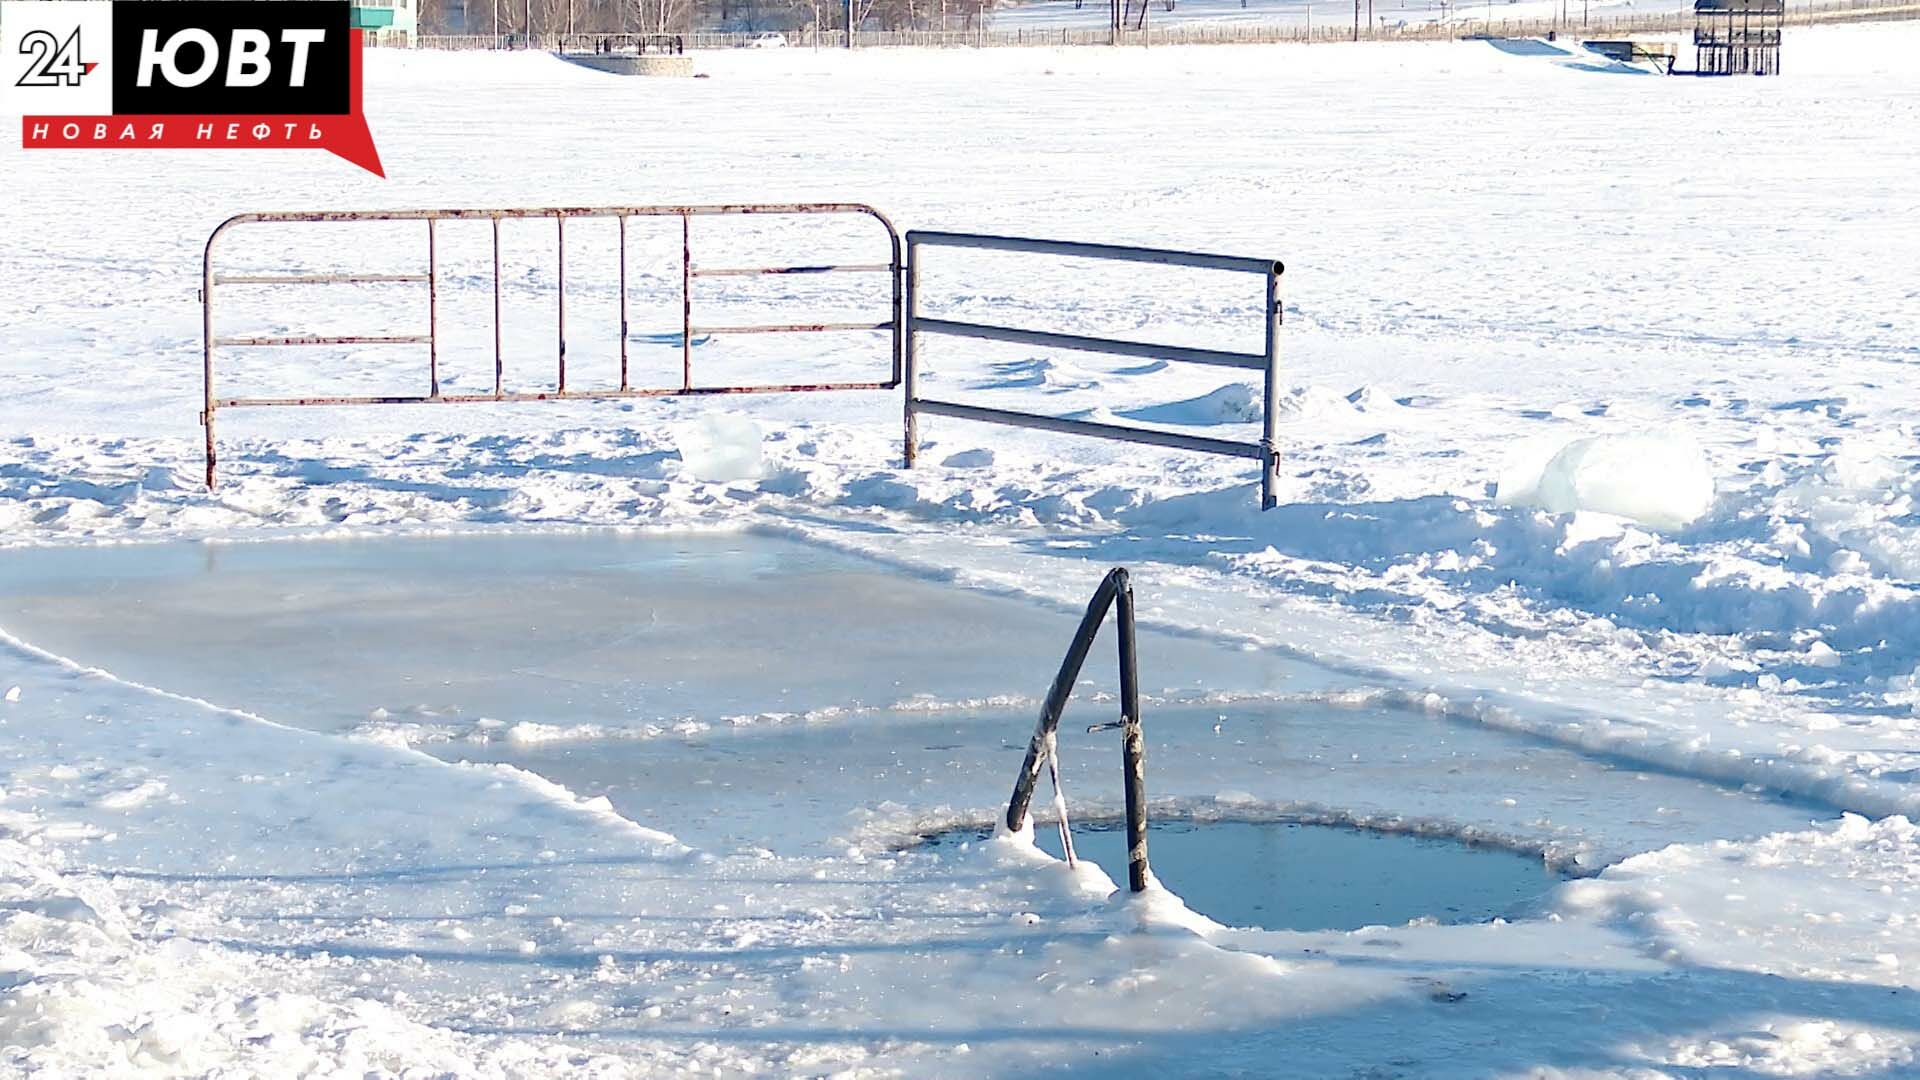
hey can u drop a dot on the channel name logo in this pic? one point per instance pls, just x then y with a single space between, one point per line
185 74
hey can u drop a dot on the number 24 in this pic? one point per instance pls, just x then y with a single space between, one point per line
54 63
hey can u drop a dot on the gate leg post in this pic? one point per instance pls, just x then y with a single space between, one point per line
560 248
433 314
910 436
1269 435
206 346
499 366
686 303
623 304
206 418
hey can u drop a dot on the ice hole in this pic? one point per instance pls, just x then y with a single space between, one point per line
1297 875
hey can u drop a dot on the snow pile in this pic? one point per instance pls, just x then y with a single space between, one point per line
1660 480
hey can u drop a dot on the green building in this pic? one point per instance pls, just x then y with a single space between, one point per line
387 22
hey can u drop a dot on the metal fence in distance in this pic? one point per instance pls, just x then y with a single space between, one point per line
1807 13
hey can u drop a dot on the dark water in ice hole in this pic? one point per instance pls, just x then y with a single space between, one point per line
1288 875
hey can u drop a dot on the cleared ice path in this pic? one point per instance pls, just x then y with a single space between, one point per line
745 691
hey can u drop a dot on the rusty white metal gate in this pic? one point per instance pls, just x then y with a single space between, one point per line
212 280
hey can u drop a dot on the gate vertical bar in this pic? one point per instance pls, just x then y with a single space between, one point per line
1269 434
623 304
899 311
1132 745
433 314
910 376
206 329
498 366
560 235
686 302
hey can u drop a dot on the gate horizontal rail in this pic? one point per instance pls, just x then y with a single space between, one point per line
1266 361
210 280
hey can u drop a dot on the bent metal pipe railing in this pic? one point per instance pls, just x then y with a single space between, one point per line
894 267
1267 361
1114 589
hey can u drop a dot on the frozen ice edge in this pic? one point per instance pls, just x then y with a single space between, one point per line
663 843
905 830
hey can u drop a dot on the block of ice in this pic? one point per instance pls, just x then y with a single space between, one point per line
721 447
1660 480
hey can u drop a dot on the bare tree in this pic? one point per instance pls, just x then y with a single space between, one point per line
817 15
656 16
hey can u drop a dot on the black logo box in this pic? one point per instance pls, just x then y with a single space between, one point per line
326 90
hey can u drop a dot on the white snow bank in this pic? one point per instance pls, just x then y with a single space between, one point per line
1660 480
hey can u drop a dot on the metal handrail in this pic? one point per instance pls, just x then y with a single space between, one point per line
1114 588
1266 361
895 321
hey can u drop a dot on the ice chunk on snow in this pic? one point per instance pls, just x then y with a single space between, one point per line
1234 403
978 458
1659 480
721 448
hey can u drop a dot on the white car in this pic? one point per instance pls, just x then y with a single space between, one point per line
768 41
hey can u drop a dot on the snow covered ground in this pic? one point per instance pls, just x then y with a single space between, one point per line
1522 290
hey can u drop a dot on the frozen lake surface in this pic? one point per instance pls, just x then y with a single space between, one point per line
751 692
600 632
